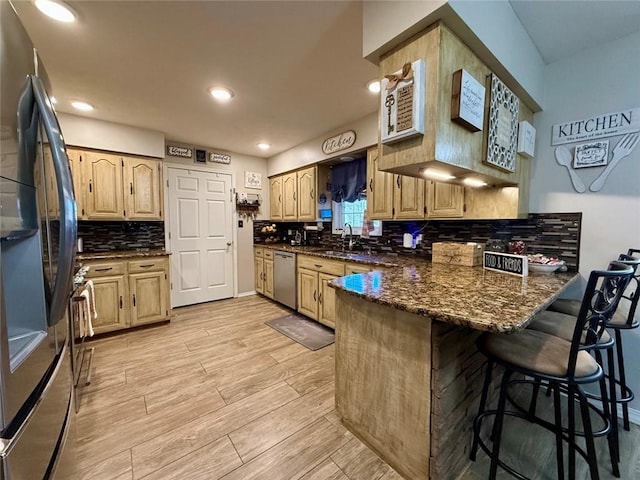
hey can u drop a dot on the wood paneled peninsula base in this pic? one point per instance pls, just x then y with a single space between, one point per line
408 375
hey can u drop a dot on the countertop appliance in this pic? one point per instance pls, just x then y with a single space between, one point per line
38 232
284 278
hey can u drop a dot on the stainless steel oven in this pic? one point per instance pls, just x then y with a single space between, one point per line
37 253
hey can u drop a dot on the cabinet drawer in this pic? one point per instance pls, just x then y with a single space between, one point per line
353 268
103 269
334 267
147 264
268 253
258 251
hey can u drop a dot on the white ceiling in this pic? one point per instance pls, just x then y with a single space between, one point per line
296 67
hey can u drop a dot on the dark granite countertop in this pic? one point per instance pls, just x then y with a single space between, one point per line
120 254
383 260
466 296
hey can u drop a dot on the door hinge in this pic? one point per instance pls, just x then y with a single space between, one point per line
464 207
425 209
169 235
393 211
122 161
171 285
124 213
167 183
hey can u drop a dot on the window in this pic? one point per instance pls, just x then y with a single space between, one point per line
353 214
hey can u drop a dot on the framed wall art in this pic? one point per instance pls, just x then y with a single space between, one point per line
253 180
592 154
402 102
467 101
502 135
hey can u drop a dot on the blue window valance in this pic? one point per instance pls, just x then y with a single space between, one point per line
349 180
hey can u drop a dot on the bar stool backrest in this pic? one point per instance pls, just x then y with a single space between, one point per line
601 298
633 290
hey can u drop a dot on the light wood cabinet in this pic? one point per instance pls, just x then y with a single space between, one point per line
315 298
263 271
408 198
103 177
444 200
129 293
379 189
275 198
293 196
290 196
326 300
308 292
142 189
354 268
116 187
307 194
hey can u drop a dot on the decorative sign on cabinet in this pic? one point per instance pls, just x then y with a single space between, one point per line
503 126
467 101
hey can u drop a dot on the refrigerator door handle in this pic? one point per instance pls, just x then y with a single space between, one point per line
66 200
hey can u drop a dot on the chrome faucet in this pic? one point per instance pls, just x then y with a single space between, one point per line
344 234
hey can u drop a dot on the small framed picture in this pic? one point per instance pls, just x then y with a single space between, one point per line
253 180
201 156
592 154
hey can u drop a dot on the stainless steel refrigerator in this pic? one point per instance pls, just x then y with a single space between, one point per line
37 255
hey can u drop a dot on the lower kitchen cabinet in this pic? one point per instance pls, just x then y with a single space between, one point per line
326 300
263 268
315 298
308 293
129 293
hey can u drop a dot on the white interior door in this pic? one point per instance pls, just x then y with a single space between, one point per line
201 236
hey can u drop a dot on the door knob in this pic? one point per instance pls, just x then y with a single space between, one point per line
229 244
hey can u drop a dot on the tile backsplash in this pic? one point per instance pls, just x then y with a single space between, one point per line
552 234
109 236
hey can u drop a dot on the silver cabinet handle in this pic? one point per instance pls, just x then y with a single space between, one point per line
66 199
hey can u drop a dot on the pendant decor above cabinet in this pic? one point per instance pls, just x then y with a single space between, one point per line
402 97
503 126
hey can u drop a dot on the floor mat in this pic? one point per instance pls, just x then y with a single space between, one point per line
306 332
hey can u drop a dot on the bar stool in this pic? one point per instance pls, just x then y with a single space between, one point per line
563 365
621 321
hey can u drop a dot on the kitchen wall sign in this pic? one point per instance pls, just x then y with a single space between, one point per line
599 126
201 156
220 158
592 154
402 96
177 151
339 142
507 263
526 139
253 180
503 126
467 101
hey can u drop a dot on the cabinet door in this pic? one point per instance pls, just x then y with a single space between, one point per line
380 189
259 272
444 200
111 305
148 297
103 173
307 194
141 189
308 293
75 164
326 301
275 195
290 196
408 198
268 277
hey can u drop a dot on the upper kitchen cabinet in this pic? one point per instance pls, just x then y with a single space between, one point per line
275 196
444 200
446 144
142 189
307 194
115 187
294 195
379 189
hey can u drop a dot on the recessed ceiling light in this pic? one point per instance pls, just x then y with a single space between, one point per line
222 94
437 174
83 106
53 100
264 146
56 10
474 182
374 86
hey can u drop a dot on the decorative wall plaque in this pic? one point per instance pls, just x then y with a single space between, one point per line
507 263
253 180
201 156
402 103
599 126
526 139
503 126
592 154
220 158
177 151
467 101
339 142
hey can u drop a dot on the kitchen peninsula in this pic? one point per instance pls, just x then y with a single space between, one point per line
408 375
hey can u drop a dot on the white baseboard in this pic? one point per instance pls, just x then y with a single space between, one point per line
247 294
634 415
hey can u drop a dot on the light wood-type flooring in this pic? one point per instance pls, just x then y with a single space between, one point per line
216 394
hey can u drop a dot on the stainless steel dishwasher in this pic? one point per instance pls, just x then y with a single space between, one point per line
284 278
